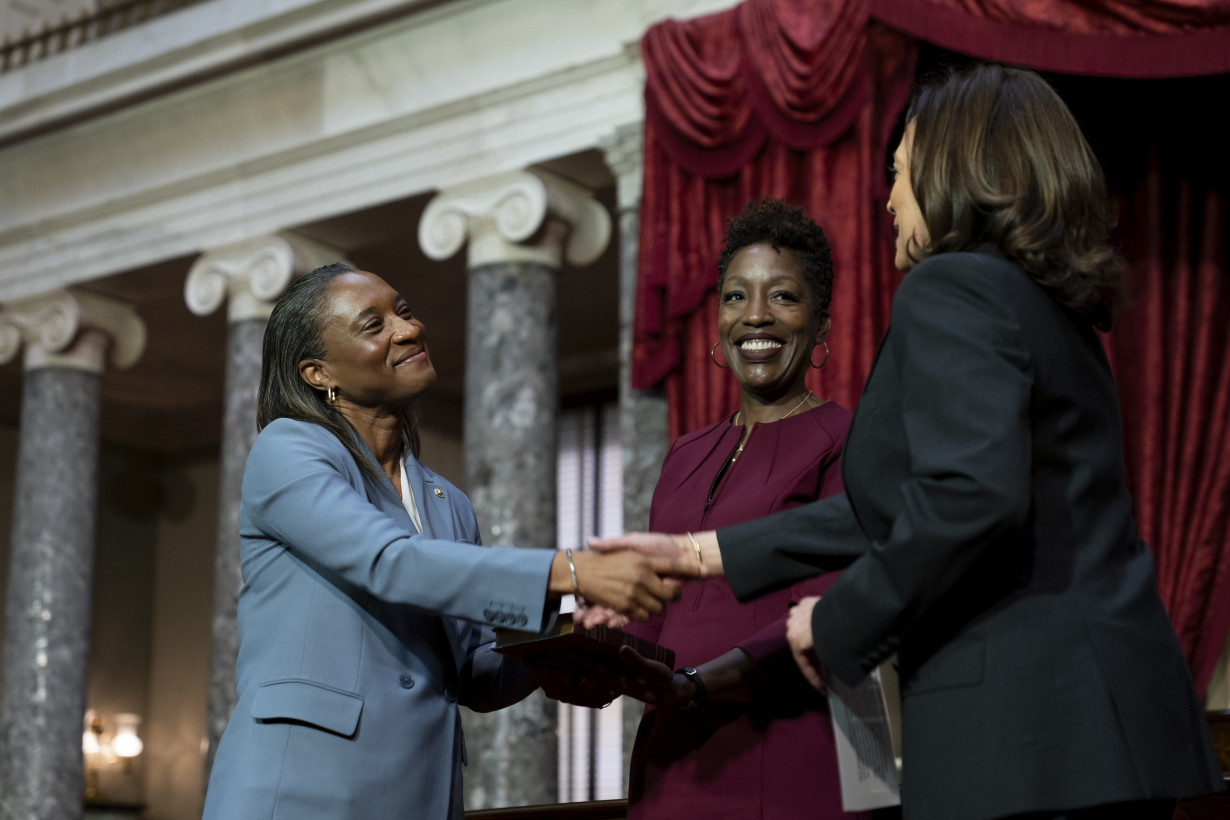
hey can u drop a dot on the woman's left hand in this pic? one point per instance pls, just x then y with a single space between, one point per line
802 646
588 616
651 681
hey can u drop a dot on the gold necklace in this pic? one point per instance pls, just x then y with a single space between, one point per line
789 413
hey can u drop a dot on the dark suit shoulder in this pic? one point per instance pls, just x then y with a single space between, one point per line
985 269
967 269
948 289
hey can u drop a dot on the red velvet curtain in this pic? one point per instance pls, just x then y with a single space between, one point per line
1169 351
796 98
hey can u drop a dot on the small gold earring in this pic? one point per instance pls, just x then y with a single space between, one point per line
331 394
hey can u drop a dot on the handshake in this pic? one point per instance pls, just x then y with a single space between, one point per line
633 576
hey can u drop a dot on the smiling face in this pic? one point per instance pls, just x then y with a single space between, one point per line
912 234
768 322
376 351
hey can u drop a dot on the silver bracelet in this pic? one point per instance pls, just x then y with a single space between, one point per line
572 570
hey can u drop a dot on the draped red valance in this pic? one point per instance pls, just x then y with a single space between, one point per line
721 85
797 99
1108 38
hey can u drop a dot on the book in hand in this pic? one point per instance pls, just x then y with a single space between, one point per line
600 643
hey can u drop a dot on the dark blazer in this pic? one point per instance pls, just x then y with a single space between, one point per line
353 651
999 559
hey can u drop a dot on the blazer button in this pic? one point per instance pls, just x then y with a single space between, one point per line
489 614
406 681
522 620
450 693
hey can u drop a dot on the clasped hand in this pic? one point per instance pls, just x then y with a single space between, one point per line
632 577
580 680
630 583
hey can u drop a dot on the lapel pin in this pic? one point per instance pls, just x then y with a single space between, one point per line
439 492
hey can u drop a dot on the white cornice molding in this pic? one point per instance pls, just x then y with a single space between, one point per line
503 214
251 274
389 113
499 131
171 51
73 329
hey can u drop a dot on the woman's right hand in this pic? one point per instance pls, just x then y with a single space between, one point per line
627 582
696 555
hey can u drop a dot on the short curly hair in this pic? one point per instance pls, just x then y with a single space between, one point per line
783 225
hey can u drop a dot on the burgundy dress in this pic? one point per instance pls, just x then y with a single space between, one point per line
766 753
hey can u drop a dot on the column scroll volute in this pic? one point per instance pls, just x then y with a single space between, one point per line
501 215
251 274
52 327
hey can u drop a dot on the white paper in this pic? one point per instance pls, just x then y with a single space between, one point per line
865 759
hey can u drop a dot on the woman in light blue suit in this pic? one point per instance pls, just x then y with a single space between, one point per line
363 613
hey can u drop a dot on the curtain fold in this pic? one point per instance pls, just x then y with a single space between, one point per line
1109 38
1169 351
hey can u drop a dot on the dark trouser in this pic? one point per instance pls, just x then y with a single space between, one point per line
1132 810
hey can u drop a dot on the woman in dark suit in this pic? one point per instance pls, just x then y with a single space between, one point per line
984 491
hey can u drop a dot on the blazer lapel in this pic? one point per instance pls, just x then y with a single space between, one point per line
431 500
437 517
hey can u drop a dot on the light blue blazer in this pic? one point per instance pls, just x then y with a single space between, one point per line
356 641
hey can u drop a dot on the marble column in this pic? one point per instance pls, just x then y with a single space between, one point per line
642 413
68 338
520 226
249 276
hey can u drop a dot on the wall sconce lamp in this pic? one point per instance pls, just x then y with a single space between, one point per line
126 744
103 748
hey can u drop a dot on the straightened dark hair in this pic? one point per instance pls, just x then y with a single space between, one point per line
998 158
296 333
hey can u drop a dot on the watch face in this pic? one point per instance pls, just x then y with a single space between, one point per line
699 693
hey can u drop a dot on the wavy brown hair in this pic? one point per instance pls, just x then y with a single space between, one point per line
296 332
997 158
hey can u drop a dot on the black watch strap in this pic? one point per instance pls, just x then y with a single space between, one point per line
699 695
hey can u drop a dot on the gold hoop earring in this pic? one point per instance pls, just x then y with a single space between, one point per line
826 358
331 394
712 350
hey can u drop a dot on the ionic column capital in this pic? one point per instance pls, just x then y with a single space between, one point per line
71 328
624 150
517 217
251 274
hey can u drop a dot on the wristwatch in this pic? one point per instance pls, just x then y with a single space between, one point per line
699 695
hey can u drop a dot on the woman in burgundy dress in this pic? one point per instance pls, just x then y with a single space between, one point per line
737 732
